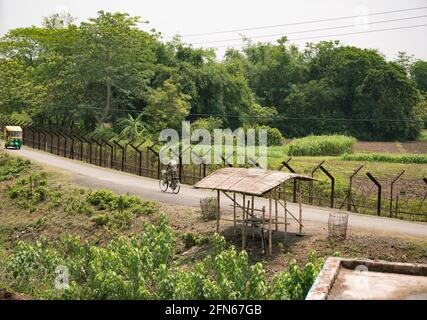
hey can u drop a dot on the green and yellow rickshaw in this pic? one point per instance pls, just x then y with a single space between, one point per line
13 137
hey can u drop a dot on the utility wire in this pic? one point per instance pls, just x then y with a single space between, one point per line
312 30
329 35
311 118
300 23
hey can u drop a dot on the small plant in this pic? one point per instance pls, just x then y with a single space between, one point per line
101 199
144 208
296 282
11 167
78 204
118 220
208 208
193 239
30 189
121 220
101 219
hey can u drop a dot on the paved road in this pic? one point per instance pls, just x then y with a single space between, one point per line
96 177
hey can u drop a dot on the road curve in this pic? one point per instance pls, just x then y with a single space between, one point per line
96 177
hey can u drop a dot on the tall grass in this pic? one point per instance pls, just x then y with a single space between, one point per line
333 145
387 157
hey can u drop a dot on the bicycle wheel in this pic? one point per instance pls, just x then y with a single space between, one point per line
177 188
163 184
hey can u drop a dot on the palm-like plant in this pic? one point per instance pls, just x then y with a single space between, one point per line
133 128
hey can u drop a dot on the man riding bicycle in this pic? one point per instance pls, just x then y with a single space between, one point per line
170 177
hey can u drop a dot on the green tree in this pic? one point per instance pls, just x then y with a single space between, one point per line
419 74
166 108
114 60
384 96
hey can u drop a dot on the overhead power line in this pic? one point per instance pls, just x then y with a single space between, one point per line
300 23
331 35
310 118
312 30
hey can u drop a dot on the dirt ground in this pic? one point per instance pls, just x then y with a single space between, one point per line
392 147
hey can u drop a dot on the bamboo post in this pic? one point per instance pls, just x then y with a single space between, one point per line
252 216
286 214
246 222
234 211
270 242
243 223
300 207
262 229
218 206
275 209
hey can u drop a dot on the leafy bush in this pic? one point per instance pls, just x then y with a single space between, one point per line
117 220
144 207
210 124
33 188
384 157
78 204
333 145
11 167
106 199
101 199
274 136
142 268
208 207
101 219
192 239
296 282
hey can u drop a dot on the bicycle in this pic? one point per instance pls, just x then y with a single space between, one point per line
169 180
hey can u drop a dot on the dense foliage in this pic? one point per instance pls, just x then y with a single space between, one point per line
96 73
11 167
333 145
142 267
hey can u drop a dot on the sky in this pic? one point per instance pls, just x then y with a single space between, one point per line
189 17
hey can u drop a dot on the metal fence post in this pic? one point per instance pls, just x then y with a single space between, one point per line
370 176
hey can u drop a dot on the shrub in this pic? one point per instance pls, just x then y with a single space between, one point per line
11 167
384 157
101 199
32 188
78 205
117 220
274 136
210 124
192 239
120 220
142 268
333 145
208 208
295 283
40 194
101 219
144 208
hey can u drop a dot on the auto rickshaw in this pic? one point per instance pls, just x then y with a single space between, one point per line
13 137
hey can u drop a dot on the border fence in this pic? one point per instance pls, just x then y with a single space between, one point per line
364 192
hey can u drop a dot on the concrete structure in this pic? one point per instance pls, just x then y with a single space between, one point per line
348 279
